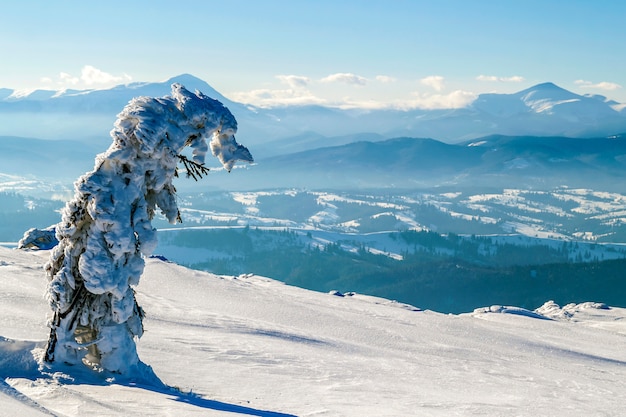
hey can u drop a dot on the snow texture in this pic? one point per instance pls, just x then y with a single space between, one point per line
106 229
252 346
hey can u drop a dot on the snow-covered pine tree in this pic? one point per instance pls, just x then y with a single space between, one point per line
106 229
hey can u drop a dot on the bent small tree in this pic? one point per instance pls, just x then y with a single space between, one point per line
106 229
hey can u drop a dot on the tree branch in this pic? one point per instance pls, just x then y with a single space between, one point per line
193 169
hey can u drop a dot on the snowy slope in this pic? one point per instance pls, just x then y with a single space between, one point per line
252 346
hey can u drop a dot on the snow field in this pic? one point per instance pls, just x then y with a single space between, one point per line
249 345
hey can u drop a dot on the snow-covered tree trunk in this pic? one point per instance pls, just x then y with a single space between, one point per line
106 229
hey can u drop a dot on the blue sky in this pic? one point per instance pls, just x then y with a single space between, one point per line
336 52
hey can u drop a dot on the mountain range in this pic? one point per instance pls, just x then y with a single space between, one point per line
543 136
542 110
527 162
502 161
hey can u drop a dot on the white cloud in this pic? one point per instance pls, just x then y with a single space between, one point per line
454 100
68 79
345 77
435 82
603 85
385 79
294 81
266 97
513 79
296 94
301 90
91 75
269 98
493 78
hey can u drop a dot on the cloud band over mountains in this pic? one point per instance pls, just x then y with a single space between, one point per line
90 76
340 89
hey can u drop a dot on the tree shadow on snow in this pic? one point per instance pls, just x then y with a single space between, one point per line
21 360
232 408
151 382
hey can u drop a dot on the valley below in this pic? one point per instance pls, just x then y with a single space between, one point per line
441 249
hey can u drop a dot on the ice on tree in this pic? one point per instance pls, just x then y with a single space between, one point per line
38 239
106 229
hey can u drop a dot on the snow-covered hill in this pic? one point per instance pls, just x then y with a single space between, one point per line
252 346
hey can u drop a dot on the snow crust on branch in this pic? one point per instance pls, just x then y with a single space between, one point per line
106 229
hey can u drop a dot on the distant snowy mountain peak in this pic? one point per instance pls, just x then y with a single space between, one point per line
541 110
537 99
549 89
185 79
544 97
547 108
131 90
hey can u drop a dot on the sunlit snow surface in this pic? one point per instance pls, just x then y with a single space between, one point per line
251 346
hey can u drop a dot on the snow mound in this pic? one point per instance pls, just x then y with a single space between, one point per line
38 239
509 310
16 358
590 314
553 310
375 300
